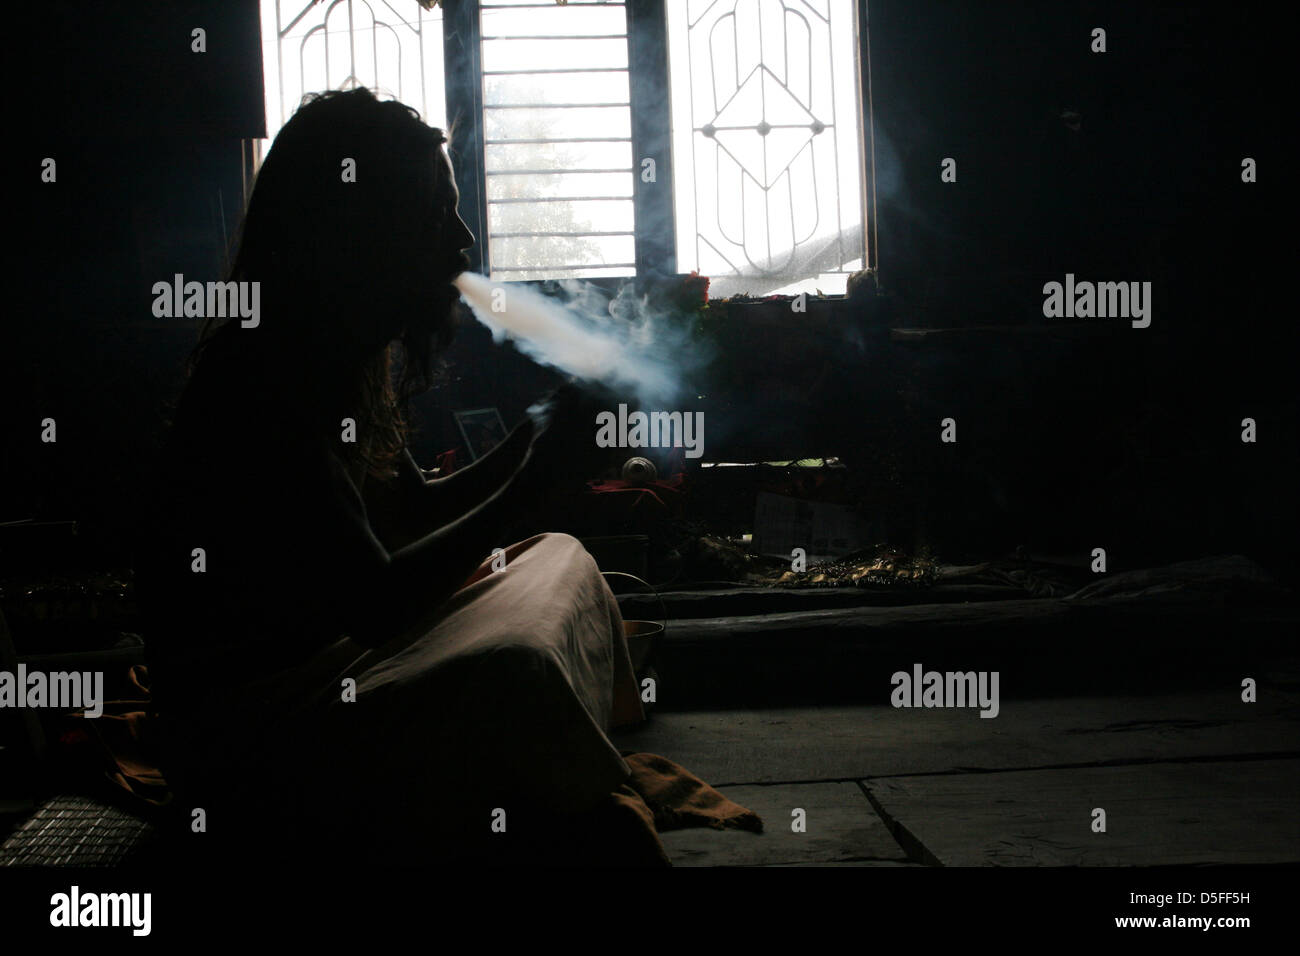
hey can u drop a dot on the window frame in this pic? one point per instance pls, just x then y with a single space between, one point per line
654 222
654 209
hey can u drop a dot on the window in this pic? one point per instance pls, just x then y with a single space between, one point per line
394 47
749 111
557 138
766 142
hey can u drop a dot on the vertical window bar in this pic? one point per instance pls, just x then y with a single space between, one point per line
464 63
867 139
656 245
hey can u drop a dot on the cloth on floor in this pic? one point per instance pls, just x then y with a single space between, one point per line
660 796
670 797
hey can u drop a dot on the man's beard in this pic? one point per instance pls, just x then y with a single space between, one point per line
438 316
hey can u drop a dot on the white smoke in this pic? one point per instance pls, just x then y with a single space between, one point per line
620 342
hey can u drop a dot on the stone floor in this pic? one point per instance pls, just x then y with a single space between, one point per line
1185 779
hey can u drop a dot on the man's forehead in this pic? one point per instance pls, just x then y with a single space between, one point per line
449 179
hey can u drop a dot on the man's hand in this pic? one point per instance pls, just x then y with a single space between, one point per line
563 454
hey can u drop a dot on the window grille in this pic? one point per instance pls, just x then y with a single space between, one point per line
767 124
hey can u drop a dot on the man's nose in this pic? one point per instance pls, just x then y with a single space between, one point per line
465 239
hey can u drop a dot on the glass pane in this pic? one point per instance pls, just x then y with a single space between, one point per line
592 21
578 216
570 185
560 156
571 123
587 272
547 3
542 252
514 55
611 87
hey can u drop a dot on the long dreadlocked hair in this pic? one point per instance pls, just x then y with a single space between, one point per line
344 268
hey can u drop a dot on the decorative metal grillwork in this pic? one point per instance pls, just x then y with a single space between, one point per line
768 168
767 158
343 44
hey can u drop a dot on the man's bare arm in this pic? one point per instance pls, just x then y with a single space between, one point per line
440 500
397 587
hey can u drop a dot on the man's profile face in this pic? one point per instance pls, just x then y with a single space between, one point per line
449 239
453 236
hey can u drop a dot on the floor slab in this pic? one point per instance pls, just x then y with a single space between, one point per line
844 743
841 826
1156 814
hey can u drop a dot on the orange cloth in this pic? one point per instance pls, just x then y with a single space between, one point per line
674 798
120 735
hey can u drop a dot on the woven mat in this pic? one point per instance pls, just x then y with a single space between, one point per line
77 831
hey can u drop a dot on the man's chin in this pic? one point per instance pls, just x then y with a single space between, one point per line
446 296
441 311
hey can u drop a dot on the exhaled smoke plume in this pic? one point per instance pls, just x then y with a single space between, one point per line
622 343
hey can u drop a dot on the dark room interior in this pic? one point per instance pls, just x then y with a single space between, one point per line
978 312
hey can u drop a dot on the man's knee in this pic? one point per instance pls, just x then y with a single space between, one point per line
554 544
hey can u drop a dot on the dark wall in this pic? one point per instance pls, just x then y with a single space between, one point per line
1132 437
1124 436
1164 118
146 135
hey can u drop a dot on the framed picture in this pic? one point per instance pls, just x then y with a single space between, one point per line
482 429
